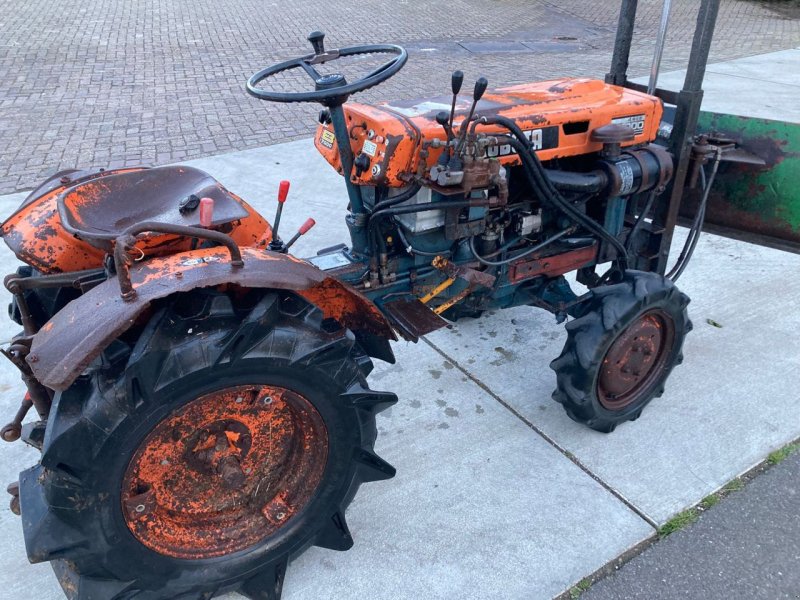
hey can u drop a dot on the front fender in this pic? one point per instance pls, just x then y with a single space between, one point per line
77 334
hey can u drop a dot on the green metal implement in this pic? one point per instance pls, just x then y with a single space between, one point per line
756 202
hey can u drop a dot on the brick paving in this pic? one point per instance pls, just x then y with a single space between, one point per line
120 83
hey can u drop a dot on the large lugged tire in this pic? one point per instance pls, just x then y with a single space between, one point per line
619 353
227 440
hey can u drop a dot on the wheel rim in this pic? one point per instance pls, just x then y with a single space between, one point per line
636 360
225 472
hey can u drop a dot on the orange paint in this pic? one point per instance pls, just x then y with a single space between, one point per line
225 471
36 236
400 130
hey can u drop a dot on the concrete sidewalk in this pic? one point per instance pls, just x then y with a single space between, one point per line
498 493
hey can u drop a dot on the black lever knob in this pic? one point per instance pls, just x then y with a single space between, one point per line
317 39
443 117
456 80
480 88
361 163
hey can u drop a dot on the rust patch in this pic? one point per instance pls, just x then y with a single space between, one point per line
552 266
225 472
635 360
352 310
81 330
37 236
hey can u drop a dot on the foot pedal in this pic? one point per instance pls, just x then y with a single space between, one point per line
413 319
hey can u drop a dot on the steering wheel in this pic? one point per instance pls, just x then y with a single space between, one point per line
333 89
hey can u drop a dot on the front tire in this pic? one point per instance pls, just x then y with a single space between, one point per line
229 439
619 353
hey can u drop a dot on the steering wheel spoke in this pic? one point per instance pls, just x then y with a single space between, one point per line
312 72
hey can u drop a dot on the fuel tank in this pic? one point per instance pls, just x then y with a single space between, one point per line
558 116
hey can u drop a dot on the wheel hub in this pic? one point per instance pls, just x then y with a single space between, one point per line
636 360
225 471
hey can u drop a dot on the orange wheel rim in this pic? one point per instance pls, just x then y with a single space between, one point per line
225 471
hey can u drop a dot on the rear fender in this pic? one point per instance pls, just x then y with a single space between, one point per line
76 335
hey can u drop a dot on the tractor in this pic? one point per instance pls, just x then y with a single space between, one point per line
203 411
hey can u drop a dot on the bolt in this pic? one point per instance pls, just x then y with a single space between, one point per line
280 516
140 508
165 462
267 399
33 358
239 400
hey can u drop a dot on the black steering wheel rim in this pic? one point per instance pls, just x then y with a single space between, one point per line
338 89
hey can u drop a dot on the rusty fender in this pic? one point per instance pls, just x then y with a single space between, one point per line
77 334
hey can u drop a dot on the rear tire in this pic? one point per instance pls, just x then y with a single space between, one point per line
80 505
620 352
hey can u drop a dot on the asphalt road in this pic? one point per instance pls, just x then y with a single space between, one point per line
746 547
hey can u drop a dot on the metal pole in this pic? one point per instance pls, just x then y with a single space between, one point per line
684 127
659 52
622 45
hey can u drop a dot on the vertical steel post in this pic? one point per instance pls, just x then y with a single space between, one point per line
357 218
622 45
659 51
684 128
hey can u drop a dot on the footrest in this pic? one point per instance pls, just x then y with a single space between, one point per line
413 319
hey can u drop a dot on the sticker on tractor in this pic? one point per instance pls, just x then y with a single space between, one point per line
636 122
327 138
192 262
540 139
369 148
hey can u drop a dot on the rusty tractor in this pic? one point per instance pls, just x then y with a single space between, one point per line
203 412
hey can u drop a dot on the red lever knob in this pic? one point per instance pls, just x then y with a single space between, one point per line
283 191
206 211
306 226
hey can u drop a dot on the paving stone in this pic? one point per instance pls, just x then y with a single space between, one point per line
99 75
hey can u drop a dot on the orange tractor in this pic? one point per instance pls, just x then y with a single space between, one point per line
203 408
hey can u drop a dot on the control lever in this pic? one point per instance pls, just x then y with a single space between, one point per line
304 229
477 94
276 245
456 80
444 119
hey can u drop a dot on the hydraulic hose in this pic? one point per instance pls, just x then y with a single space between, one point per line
542 184
638 224
697 225
409 248
545 189
531 250
400 198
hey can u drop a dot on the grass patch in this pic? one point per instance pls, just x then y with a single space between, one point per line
732 486
690 515
782 453
580 587
679 521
